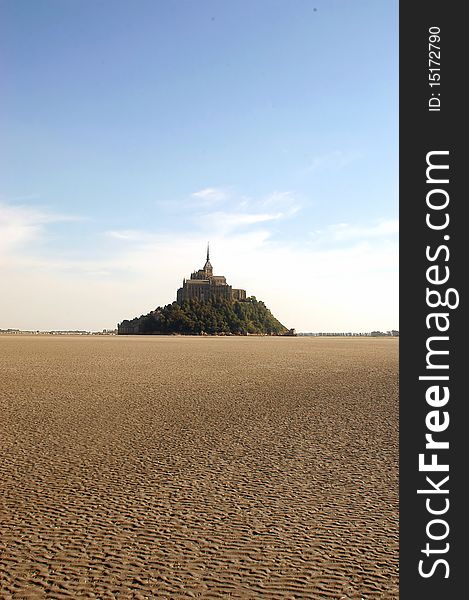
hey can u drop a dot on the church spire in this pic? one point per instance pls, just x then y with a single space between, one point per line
208 269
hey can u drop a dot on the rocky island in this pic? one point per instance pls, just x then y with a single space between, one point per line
207 305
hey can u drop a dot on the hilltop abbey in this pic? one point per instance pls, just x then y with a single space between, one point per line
195 313
204 285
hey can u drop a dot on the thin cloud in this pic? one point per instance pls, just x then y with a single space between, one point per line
227 221
245 211
129 235
24 224
224 208
344 232
286 202
211 194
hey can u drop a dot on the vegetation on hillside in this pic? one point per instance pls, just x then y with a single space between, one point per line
216 316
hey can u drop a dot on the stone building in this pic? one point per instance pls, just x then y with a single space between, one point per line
203 285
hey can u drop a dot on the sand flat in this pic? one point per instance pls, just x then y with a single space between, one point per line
180 467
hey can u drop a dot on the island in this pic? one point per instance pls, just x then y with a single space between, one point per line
207 305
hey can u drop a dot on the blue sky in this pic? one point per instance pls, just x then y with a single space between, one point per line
133 132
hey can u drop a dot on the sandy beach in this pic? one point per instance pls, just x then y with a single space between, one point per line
190 467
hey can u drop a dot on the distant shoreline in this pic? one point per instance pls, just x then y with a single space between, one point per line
17 332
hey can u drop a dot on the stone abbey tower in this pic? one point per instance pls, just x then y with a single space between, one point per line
203 285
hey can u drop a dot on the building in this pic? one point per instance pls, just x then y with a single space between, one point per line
204 285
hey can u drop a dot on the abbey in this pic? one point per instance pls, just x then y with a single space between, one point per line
204 285
207 305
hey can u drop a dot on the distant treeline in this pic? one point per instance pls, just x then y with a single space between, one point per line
213 317
392 333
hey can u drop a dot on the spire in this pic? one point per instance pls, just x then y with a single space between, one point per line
208 269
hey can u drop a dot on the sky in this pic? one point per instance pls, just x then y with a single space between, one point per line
134 132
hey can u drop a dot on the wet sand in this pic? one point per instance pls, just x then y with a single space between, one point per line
169 467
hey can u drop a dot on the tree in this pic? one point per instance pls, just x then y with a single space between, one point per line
215 316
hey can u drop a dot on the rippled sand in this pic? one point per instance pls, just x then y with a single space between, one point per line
168 467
